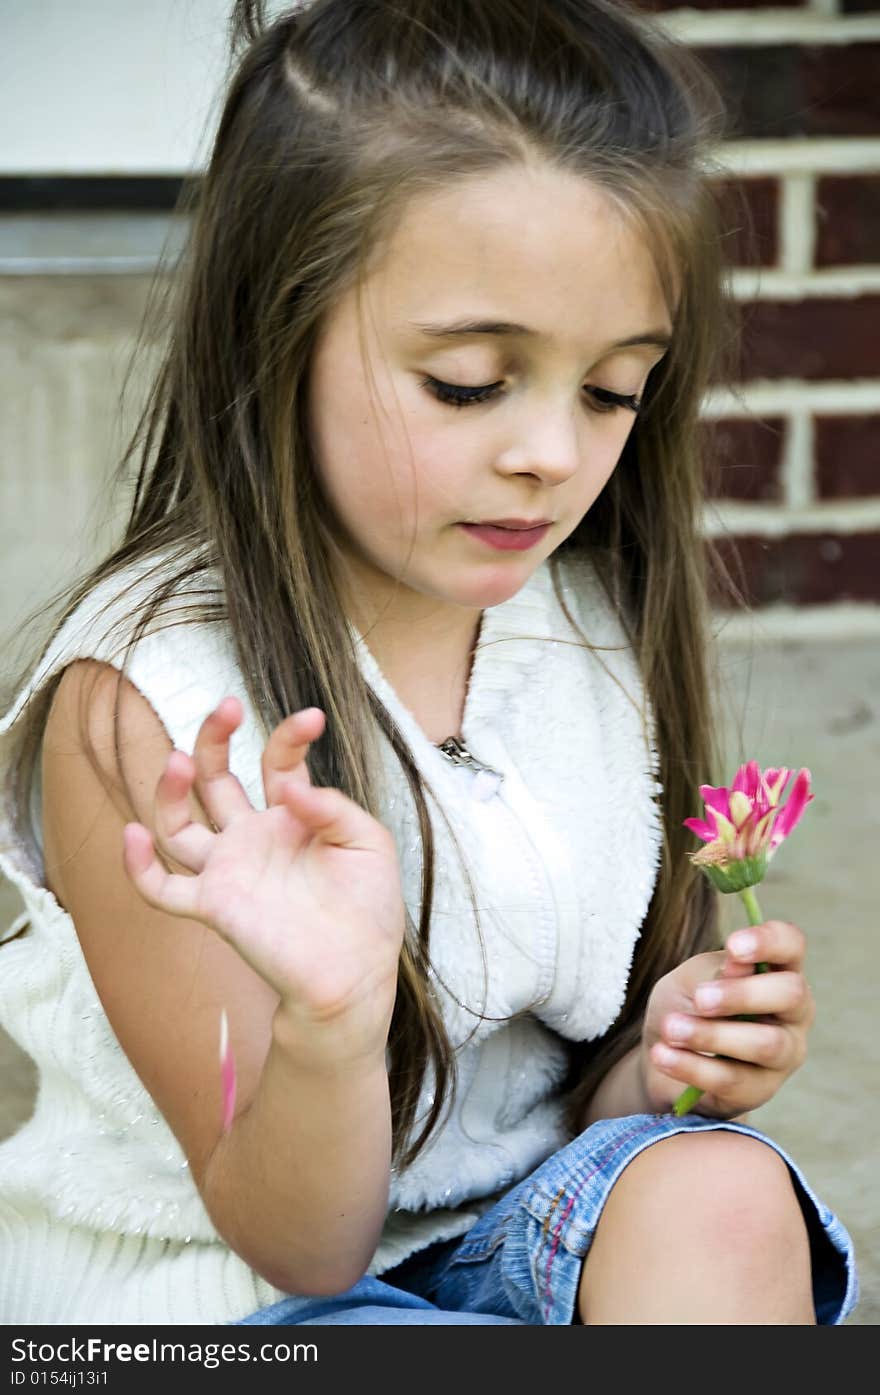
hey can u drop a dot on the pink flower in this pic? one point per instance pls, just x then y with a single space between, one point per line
745 824
743 827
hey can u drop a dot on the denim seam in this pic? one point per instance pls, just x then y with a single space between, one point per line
597 1167
485 1248
471 1251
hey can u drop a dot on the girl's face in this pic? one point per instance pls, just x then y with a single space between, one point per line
567 319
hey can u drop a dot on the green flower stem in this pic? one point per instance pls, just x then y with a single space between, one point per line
750 901
688 1098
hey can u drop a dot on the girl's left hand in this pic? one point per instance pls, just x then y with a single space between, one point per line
689 1040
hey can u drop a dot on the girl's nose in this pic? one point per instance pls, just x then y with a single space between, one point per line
548 446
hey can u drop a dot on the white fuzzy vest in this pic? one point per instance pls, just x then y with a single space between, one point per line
100 1220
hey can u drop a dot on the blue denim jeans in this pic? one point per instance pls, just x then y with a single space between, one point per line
521 1261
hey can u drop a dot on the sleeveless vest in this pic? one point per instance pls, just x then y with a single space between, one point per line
100 1220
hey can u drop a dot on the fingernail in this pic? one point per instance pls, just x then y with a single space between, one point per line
743 943
708 996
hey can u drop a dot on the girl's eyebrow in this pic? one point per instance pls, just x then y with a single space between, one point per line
455 329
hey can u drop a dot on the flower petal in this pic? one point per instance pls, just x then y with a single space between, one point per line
790 815
726 833
741 808
775 781
748 779
716 797
758 839
706 831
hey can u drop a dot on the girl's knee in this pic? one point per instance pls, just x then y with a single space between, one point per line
704 1226
720 1186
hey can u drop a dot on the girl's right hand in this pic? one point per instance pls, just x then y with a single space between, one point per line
307 891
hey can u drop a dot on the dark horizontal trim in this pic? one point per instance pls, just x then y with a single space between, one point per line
40 193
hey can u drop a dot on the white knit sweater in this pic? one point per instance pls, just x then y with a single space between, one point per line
100 1220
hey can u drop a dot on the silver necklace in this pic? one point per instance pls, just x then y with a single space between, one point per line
485 781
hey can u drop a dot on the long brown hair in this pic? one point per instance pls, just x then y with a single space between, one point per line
335 116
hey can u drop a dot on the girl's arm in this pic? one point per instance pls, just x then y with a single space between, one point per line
621 1091
299 1185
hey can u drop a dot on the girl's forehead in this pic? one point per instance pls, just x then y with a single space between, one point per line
510 207
534 247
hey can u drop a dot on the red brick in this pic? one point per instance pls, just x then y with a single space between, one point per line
848 219
799 89
801 569
847 456
744 458
750 219
824 337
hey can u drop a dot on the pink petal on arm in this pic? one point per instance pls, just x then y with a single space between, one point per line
227 1073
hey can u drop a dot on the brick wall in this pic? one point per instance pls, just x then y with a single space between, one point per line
797 440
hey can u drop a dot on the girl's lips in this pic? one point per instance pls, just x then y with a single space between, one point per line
506 539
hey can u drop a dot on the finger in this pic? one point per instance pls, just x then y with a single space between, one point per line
767 1044
332 817
218 790
728 1080
284 757
177 832
776 942
781 994
166 891
730 968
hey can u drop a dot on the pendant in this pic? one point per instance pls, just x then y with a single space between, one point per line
485 781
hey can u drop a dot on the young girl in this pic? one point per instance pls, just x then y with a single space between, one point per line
377 732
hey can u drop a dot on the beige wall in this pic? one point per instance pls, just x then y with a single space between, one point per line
64 346
118 87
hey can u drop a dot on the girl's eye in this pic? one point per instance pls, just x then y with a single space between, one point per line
459 396
602 399
605 401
